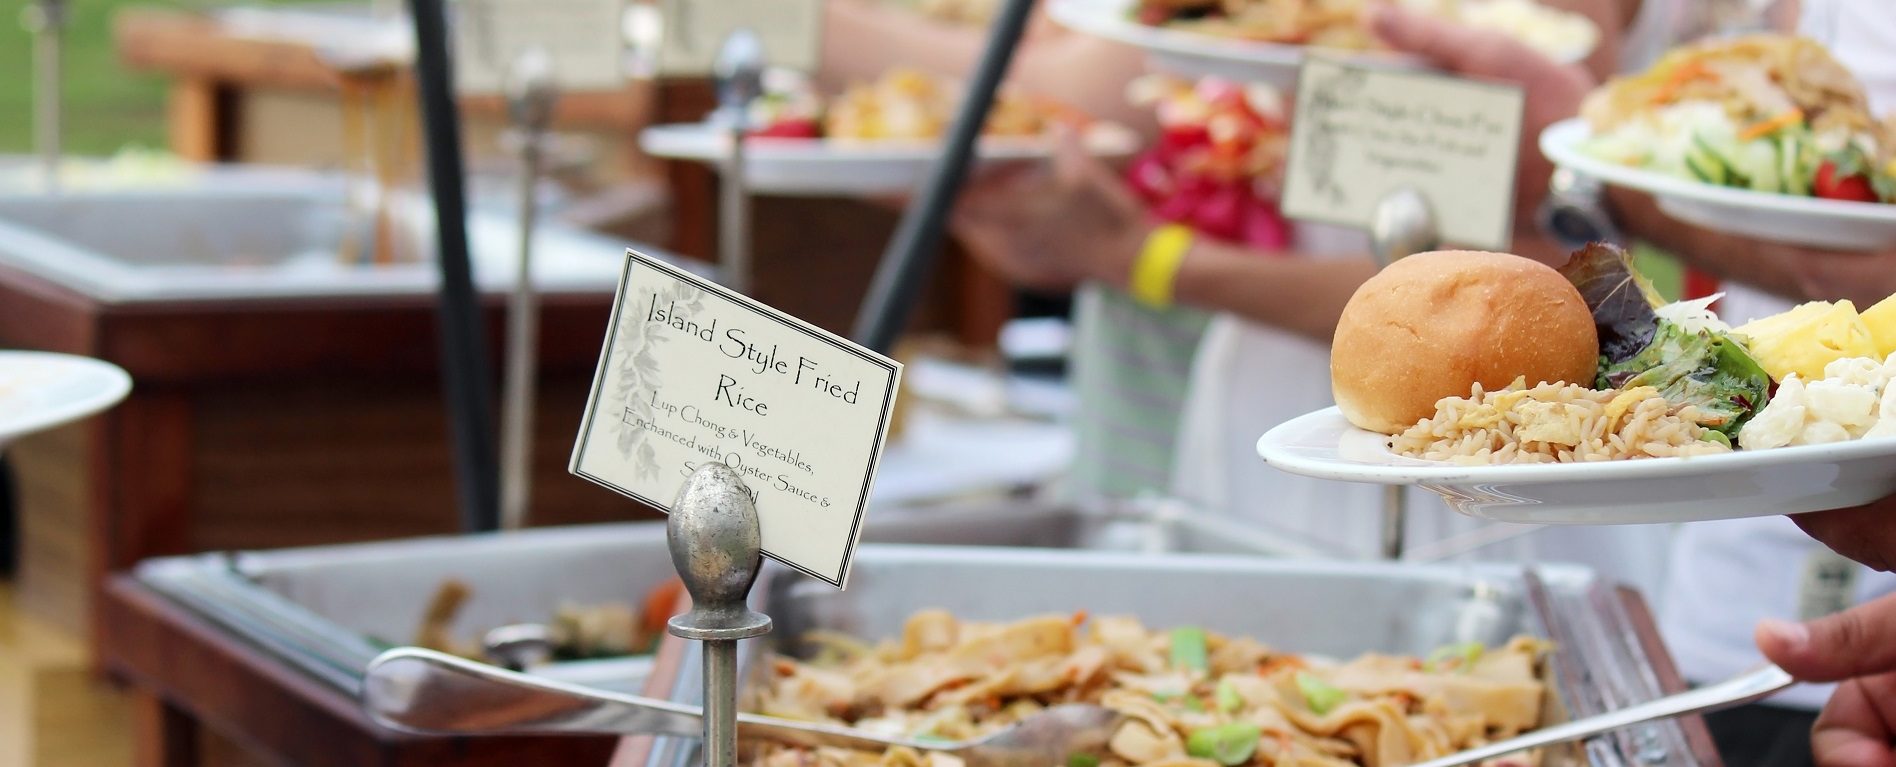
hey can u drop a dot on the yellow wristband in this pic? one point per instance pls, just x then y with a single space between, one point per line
1156 269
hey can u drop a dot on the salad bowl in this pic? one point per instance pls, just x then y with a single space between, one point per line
1793 219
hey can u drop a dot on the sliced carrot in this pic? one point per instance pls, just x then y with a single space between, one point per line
1780 121
1677 78
1079 617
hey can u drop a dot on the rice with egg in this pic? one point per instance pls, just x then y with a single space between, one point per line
1557 423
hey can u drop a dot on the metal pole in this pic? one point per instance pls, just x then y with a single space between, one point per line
530 98
905 265
715 545
740 74
46 20
464 371
1403 224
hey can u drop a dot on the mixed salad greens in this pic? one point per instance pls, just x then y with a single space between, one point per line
1689 363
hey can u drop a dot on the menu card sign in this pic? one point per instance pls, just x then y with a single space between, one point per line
585 40
692 372
790 31
1362 132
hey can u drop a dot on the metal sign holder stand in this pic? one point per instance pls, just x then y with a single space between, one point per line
531 94
1403 224
46 21
715 544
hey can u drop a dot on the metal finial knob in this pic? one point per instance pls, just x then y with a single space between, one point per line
740 74
530 89
1403 224
715 545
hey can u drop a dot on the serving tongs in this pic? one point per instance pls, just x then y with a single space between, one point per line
429 692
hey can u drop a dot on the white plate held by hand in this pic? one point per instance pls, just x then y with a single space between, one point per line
1794 219
41 390
806 166
1197 54
1743 483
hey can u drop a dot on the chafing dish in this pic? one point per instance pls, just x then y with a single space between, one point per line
1606 650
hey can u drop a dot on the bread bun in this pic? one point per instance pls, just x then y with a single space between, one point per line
1434 324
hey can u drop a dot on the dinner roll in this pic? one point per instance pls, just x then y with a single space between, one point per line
1434 324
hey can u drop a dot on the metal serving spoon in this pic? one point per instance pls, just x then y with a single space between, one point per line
1750 686
429 692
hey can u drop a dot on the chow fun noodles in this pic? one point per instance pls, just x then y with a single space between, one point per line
1557 423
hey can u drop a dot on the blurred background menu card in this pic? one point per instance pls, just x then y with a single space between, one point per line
584 39
1362 132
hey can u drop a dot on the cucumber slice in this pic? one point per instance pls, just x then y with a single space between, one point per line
1713 159
1759 164
1797 162
1706 168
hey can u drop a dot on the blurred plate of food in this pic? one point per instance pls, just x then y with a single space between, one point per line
1266 39
877 138
1766 136
42 390
1521 396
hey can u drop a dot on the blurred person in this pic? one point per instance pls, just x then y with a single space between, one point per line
1264 358
1132 361
1728 576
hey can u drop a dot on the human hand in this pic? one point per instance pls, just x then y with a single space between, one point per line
1553 90
1053 226
1865 533
1858 648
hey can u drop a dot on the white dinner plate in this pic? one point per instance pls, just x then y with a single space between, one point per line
794 166
1837 224
41 390
1743 483
1197 54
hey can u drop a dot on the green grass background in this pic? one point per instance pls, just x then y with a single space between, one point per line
106 105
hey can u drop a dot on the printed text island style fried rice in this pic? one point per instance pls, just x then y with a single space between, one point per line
1557 423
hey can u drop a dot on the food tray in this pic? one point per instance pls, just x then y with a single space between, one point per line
318 608
1607 653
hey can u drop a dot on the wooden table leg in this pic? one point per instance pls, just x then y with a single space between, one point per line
141 460
200 117
167 735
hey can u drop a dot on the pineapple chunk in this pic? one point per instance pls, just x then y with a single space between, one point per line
1881 320
1805 339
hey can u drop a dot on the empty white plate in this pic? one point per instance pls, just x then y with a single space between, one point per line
41 390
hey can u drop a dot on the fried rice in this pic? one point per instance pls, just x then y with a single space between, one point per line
1557 423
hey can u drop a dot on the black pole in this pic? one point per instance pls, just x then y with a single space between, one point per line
911 254
464 373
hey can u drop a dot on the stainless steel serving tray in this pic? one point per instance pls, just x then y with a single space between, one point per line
323 609
1606 655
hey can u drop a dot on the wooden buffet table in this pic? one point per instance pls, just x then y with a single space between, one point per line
189 674
260 424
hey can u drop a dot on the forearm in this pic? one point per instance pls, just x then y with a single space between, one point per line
1301 295
1763 265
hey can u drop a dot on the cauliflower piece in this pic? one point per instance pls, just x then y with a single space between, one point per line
1849 407
1781 420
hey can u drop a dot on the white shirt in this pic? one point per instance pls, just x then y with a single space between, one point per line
1726 576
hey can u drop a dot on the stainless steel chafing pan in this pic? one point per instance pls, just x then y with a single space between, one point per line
1606 651
329 609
